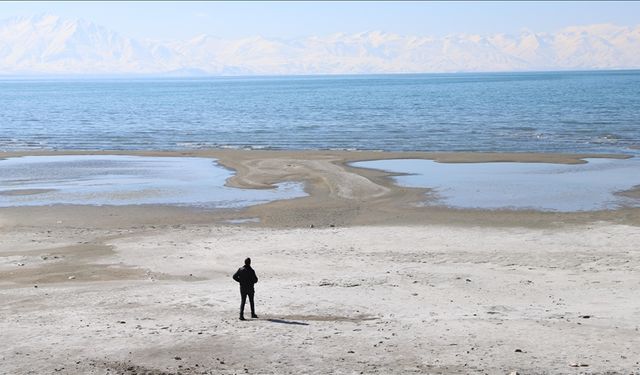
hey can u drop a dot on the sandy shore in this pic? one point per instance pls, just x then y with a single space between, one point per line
377 285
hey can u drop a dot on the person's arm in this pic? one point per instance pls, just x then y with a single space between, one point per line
255 277
236 276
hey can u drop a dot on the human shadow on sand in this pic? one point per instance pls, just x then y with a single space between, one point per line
300 319
287 322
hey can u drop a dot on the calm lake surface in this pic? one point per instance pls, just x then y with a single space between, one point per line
536 112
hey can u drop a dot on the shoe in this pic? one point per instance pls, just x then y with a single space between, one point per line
242 317
254 316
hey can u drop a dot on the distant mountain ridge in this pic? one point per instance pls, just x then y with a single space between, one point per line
50 45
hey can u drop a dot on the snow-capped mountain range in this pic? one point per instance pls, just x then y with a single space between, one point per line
50 45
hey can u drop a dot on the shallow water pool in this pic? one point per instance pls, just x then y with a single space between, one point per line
127 180
540 186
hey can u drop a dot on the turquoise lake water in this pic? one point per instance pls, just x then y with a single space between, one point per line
540 112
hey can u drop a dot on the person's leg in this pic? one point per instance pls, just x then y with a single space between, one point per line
253 310
243 299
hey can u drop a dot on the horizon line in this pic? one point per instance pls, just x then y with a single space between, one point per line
168 76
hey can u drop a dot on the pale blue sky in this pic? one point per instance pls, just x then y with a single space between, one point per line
179 20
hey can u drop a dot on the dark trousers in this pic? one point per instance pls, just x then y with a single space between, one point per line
243 296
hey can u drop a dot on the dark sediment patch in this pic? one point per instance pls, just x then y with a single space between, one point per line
75 264
634 192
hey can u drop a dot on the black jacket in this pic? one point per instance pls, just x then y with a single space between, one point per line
246 276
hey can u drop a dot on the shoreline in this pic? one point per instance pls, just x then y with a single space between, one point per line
338 194
347 155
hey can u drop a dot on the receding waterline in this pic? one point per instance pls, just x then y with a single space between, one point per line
127 180
539 186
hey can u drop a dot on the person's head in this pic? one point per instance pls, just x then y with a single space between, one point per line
247 262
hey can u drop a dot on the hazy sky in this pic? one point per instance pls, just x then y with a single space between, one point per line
168 20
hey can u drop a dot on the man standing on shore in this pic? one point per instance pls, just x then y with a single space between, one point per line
246 276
